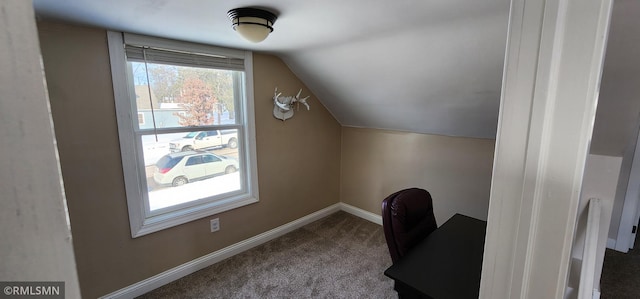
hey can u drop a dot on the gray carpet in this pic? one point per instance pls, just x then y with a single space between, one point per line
621 274
340 256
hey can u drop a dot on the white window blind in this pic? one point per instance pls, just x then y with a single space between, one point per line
163 56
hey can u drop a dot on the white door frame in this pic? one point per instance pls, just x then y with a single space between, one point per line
35 234
553 65
631 207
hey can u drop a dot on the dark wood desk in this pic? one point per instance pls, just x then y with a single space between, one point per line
446 264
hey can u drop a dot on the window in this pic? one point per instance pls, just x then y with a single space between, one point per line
210 159
194 160
185 122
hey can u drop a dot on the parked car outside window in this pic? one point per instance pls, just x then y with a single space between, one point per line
205 139
180 168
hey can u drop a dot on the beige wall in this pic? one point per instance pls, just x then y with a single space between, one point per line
298 166
456 171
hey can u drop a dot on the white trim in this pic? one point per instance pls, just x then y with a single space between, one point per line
142 221
160 222
251 158
589 256
202 262
123 113
366 215
611 243
553 63
36 234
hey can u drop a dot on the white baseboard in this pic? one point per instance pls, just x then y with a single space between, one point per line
187 268
366 215
611 243
180 271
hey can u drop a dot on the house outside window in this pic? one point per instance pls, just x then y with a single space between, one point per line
193 153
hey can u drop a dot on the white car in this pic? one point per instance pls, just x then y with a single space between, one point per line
205 139
177 169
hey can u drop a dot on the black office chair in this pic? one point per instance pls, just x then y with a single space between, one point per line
407 218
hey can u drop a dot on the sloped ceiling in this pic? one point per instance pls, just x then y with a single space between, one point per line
441 75
426 66
419 66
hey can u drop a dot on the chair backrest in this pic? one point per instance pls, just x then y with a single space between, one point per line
407 218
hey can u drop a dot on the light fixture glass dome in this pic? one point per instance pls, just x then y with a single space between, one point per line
252 24
253 32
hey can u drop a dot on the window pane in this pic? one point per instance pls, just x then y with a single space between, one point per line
210 159
175 171
195 160
182 96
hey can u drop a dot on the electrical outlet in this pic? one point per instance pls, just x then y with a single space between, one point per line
215 225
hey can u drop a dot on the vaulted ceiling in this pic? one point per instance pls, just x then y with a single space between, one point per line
430 66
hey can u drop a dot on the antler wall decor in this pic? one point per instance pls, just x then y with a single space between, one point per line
283 106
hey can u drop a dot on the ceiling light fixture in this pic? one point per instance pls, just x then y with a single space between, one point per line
252 24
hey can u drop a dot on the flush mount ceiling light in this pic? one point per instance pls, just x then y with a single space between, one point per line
252 24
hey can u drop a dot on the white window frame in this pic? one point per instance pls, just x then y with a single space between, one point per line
142 220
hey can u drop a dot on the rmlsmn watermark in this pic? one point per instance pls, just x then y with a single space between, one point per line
32 289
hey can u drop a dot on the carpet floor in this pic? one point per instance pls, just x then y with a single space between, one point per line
339 256
621 274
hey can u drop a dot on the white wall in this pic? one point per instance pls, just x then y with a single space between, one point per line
621 190
35 237
616 124
616 121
